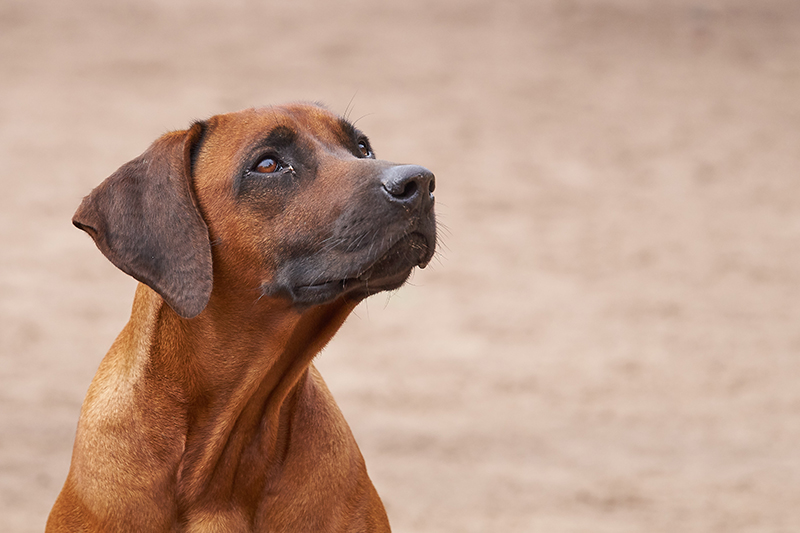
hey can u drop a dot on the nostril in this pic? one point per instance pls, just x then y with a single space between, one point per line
408 184
432 184
404 188
409 190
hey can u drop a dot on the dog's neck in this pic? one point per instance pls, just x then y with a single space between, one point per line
237 391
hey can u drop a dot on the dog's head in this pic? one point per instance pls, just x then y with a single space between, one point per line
280 202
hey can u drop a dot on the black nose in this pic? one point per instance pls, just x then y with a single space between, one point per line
410 185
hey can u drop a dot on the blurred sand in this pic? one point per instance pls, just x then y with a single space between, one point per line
609 340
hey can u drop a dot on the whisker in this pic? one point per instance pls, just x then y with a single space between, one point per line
348 110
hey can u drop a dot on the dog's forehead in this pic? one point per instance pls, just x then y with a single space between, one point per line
309 120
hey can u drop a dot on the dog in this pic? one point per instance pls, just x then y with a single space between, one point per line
253 235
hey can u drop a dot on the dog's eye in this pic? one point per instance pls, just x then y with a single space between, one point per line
364 149
269 165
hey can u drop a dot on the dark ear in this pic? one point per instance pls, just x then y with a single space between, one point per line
145 220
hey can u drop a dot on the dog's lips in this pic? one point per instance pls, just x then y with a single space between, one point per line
389 271
409 252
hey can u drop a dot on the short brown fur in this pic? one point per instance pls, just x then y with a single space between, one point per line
207 415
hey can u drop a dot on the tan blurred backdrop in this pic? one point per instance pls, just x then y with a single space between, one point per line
609 340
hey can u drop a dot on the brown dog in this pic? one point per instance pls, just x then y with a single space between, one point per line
254 235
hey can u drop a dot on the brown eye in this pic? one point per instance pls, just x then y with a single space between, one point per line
364 149
268 165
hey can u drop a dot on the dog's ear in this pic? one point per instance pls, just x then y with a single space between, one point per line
145 220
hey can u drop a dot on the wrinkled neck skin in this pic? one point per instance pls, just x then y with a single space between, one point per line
225 415
241 387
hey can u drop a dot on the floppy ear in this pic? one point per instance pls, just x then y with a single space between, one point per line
145 220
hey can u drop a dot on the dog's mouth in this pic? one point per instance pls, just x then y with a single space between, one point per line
388 272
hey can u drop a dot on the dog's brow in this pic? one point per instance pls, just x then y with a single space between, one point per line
350 131
279 137
350 135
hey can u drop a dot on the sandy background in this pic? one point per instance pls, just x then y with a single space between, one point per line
609 340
